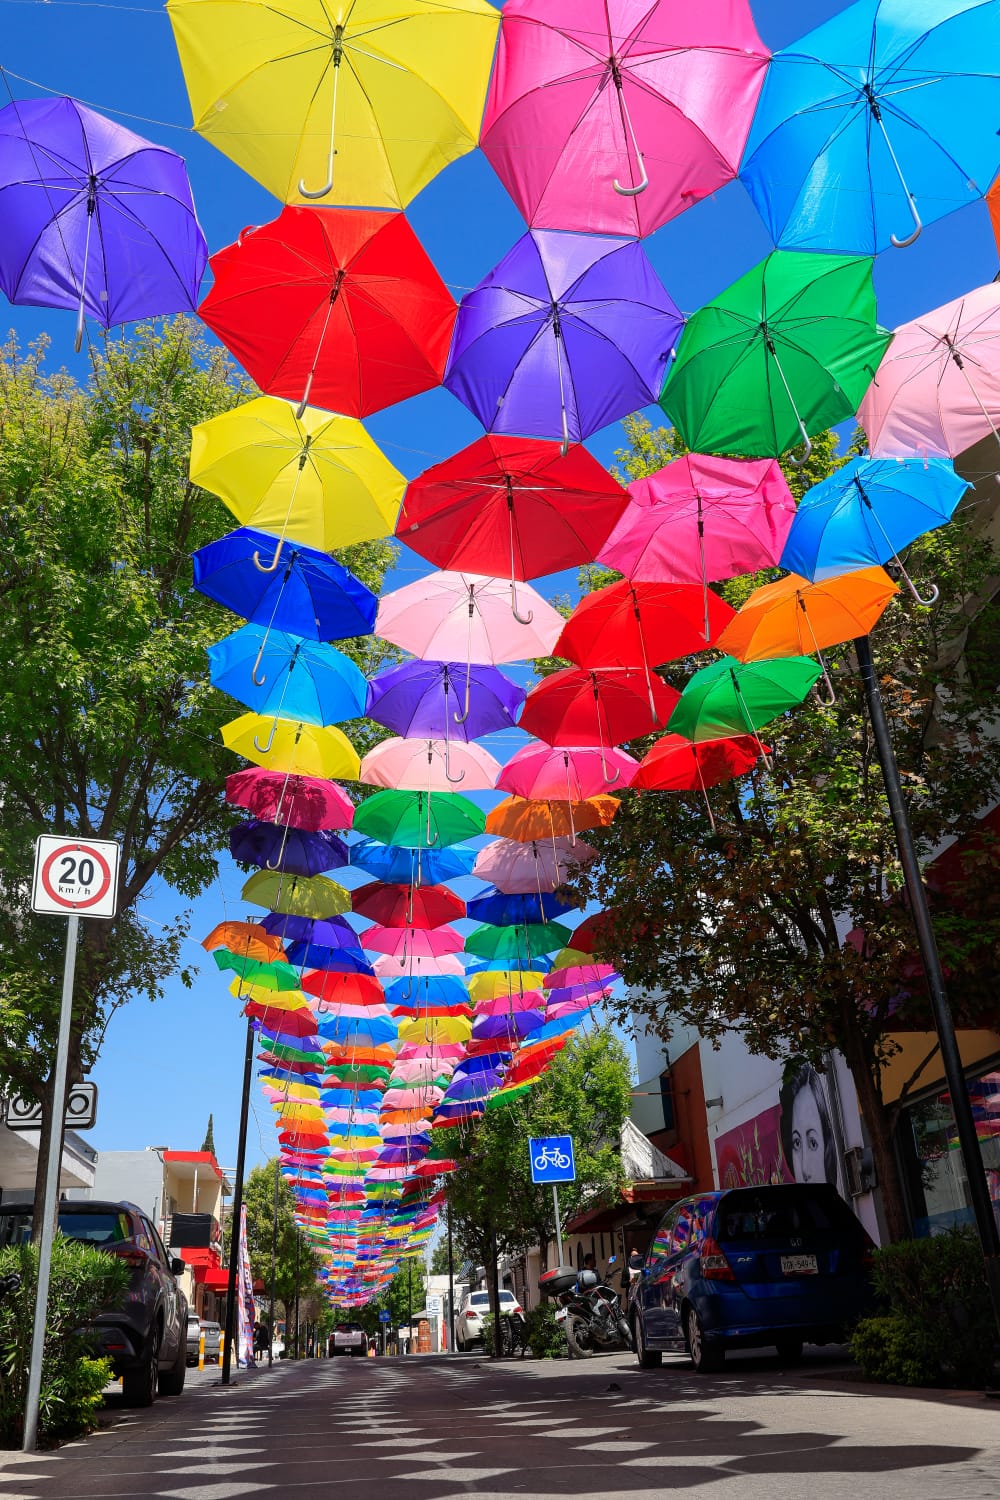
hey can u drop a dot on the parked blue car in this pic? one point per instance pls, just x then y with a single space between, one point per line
779 1265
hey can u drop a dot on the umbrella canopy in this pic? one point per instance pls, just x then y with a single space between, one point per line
507 1029
728 698
793 617
419 819
504 986
937 389
364 110
880 118
303 802
605 117
540 772
310 594
245 938
432 990
525 821
405 943
294 851
300 895
411 866
596 706
268 976
676 764
287 745
424 700
567 334
95 218
338 307
502 910
449 615
580 974
316 478
522 868
429 766
787 350
405 905
273 672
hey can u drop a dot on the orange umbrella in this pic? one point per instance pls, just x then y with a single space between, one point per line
246 940
794 617
523 820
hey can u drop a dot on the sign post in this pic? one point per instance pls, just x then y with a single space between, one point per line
552 1161
72 877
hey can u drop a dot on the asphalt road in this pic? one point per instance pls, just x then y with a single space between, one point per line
432 1428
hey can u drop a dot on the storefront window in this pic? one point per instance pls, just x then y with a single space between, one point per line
941 1187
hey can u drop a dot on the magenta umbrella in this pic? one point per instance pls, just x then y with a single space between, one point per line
405 943
613 116
520 869
547 773
702 519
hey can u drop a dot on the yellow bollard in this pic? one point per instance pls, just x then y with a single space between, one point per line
222 1345
201 1350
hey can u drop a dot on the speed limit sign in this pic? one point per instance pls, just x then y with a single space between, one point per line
75 875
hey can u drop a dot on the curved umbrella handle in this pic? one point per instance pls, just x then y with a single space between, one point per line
270 739
932 597
640 187
258 681
447 767
300 410
915 234
461 718
521 619
272 567
800 463
327 188
830 697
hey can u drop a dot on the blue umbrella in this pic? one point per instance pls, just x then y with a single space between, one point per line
540 963
399 866
276 673
310 594
424 700
346 960
886 113
291 849
501 910
427 989
867 511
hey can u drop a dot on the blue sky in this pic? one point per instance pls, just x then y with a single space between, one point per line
166 1066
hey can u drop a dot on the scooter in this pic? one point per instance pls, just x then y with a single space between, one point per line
588 1309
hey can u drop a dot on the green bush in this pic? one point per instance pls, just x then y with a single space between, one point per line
938 1327
83 1282
546 1339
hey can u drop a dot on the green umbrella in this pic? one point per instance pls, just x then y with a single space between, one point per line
416 820
276 976
522 941
786 351
297 895
731 697
287 1054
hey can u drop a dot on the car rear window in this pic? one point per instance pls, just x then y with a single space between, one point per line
479 1299
102 1227
507 1299
773 1213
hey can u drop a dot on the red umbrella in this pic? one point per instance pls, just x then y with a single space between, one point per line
597 706
510 506
407 905
338 306
289 1022
349 989
590 931
676 764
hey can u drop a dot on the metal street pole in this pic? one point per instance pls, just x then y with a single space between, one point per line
409 1307
451 1288
298 1275
274 1265
50 1201
234 1222
559 1243
968 1140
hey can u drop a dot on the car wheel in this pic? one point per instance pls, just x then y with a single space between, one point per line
705 1357
140 1386
648 1359
789 1350
172 1380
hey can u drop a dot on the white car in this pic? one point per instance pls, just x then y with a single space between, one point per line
348 1338
473 1308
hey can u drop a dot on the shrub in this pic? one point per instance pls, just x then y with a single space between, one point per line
938 1327
546 1339
83 1282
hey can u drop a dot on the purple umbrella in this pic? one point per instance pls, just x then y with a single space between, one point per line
568 333
290 849
94 217
424 700
331 932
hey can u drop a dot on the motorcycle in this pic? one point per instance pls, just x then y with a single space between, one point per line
589 1311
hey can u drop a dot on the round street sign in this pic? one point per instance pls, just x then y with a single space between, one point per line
75 875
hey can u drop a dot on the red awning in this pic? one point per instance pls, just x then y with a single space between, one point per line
216 1278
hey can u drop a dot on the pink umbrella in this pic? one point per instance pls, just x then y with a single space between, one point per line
450 616
560 979
304 802
422 1069
519 869
415 1098
613 116
504 1005
937 390
541 772
430 765
702 519
387 967
406 943
451 1052
568 1008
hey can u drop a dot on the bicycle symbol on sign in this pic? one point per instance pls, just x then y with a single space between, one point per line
551 1156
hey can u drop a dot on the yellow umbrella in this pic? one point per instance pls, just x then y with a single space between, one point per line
571 958
426 1030
315 478
501 984
358 101
314 896
273 999
287 745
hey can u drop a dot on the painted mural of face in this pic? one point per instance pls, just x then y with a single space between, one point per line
808 1164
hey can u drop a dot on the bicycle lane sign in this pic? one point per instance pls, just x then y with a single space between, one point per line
552 1159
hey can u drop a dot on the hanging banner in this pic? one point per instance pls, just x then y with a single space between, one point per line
244 1294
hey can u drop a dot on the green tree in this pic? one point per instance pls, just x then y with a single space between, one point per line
208 1144
296 1263
743 928
108 723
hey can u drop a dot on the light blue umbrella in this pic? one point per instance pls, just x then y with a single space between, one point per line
867 512
881 119
273 672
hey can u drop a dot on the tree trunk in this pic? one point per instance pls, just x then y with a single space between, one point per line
881 1132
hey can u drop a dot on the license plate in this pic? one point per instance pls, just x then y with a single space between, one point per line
799 1265
562 1315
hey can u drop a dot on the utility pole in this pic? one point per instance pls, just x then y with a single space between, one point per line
451 1288
409 1307
555 1210
298 1277
237 1214
274 1266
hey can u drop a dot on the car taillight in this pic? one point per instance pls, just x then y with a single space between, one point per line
519 1309
714 1265
470 1312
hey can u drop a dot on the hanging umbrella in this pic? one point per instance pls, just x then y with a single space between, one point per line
676 764
600 706
522 868
448 965
316 478
349 959
405 905
504 986
404 943
333 932
793 616
867 511
449 615
303 802
702 518
572 775
299 853
502 910
291 746
526 821
593 930
95 218
443 700
250 939
364 110
310 594
590 974
429 766
787 350
607 117
397 865
335 306
303 895
729 698
273 672
881 118
568 333
433 991
507 1029
418 819
519 941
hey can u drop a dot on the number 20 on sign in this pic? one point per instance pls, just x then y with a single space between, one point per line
75 875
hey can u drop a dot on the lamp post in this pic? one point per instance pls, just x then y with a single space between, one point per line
234 1222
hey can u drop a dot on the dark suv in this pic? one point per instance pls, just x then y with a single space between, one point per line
146 1338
